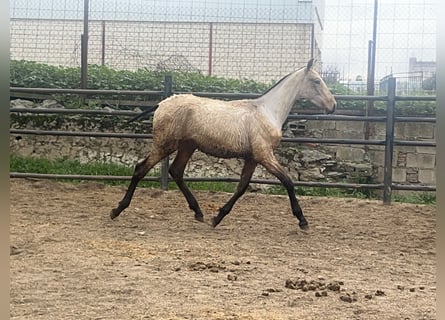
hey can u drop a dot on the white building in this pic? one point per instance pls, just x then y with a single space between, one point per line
261 40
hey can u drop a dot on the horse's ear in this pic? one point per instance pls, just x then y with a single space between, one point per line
310 64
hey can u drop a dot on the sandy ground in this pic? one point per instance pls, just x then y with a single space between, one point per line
360 259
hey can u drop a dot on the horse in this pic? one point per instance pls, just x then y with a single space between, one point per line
248 129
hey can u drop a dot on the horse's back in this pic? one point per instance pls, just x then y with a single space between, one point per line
204 105
217 127
186 108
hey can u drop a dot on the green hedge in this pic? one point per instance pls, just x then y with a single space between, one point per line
38 75
33 74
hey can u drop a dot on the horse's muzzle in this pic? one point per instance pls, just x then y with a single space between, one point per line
329 111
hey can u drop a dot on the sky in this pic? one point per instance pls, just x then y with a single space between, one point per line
405 28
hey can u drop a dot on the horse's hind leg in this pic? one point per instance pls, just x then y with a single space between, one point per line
246 175
176 170
140 171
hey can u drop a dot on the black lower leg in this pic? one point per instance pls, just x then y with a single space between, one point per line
176 170
191 200
272 165
296 209
246 175
224 210
140 171
297 212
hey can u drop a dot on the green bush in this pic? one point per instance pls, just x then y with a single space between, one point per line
30 74
38 75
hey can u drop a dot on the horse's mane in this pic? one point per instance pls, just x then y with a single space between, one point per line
279 81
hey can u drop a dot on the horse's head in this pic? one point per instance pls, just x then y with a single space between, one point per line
315 89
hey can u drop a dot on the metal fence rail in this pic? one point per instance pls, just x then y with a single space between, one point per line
339 185
389 142
290 117
149 136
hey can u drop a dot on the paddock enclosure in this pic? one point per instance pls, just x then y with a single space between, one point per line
361 259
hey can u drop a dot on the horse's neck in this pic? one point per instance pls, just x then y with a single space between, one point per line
278 101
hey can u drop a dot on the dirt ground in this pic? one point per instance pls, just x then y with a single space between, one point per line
359 260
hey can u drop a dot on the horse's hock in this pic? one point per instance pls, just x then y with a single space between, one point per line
305 162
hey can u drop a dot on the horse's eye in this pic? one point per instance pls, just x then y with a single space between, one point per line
317 81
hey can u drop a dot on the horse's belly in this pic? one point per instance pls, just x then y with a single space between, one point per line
224 145
223 153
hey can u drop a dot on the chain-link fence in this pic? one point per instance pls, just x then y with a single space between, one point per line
260 40
238 39
405 41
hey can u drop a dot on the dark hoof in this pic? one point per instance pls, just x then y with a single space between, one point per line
214 222
199 217
114 213
304 226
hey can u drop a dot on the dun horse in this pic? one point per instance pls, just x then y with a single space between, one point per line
249 129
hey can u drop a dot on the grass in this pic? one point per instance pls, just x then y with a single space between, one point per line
68 166
417 198
74 167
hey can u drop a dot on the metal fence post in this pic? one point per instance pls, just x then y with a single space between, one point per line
168 91
84 48
389 141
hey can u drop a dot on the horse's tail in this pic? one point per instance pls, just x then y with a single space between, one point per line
143 114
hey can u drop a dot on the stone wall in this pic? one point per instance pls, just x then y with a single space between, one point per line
305 162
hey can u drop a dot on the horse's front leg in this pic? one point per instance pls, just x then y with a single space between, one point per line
246 175
273 166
